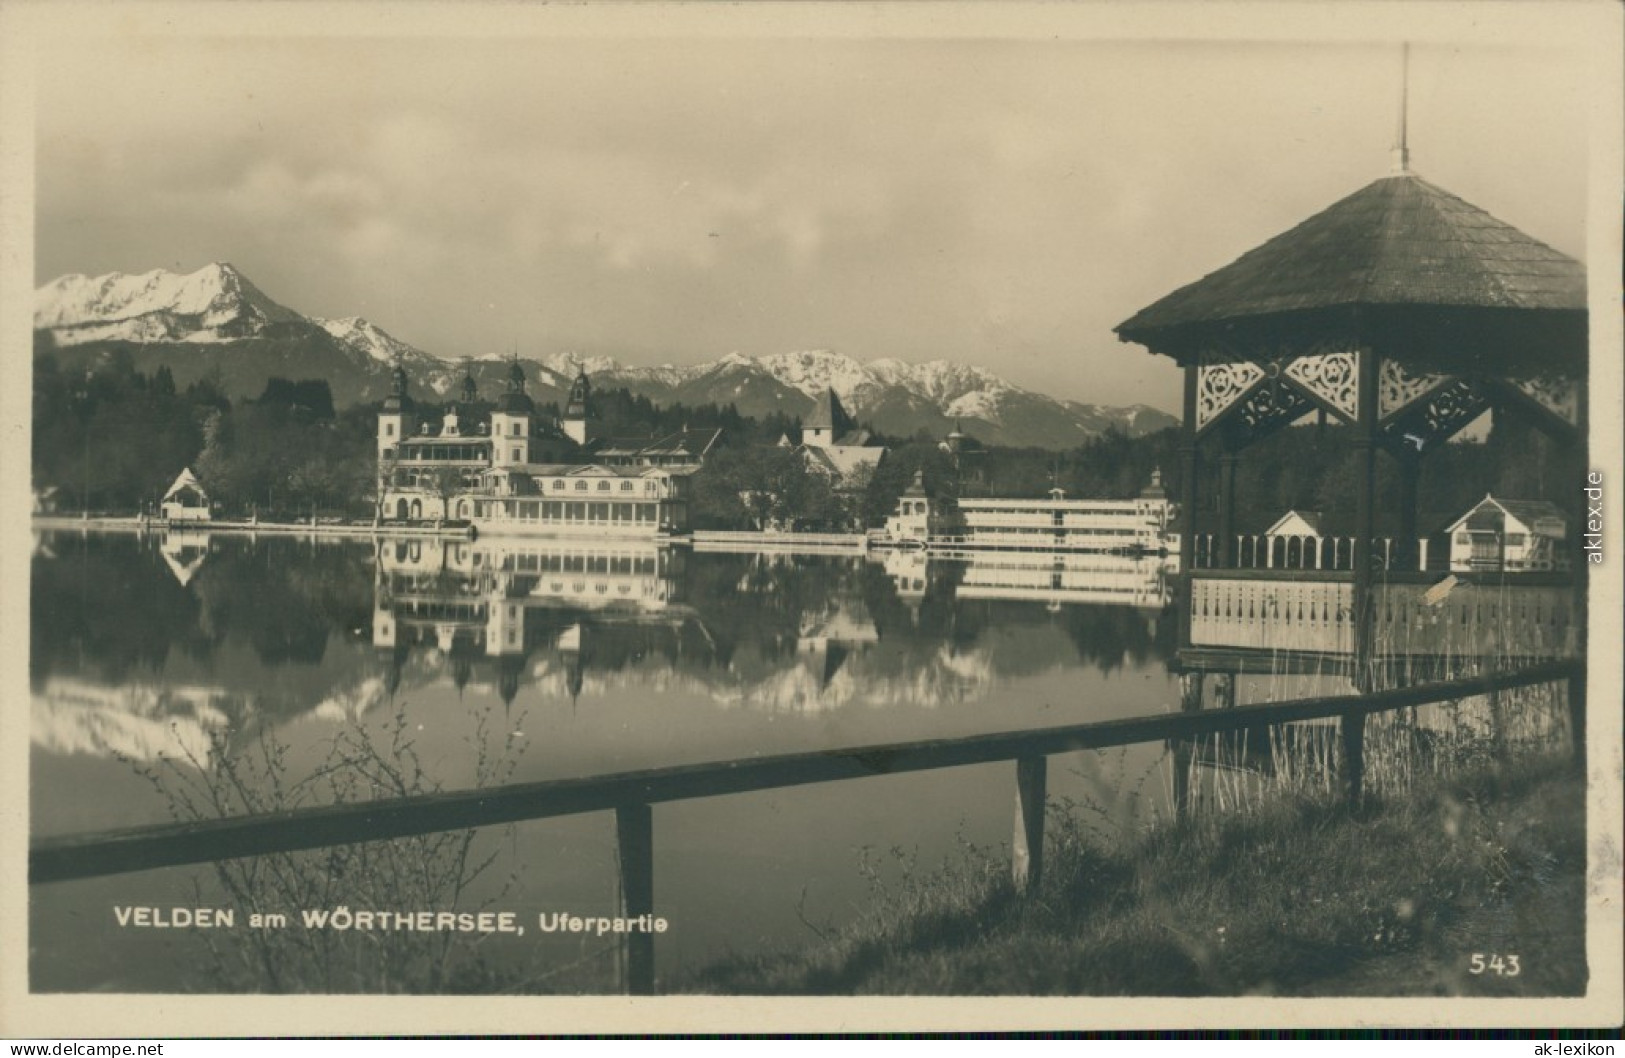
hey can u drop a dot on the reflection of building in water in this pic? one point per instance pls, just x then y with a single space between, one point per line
184 553
1314 617
827 639
1057 578
1054 578
506 599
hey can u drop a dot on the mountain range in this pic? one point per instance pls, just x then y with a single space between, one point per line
216 323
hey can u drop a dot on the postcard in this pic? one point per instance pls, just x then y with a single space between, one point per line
816 517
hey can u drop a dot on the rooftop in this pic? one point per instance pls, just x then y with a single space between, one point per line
1399 241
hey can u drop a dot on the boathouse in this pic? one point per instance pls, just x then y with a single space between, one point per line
186 500
1507 535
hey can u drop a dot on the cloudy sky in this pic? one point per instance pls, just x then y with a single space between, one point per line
998 202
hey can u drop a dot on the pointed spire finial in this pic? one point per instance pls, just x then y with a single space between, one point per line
1402 150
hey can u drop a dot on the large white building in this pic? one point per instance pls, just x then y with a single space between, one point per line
1137 525
514 472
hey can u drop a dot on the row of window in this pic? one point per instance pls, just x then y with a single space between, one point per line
604 485
1019 530
439 454
426 479
570 512
616 565
971 509
1512 539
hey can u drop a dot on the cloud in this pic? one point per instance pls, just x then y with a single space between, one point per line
1002 203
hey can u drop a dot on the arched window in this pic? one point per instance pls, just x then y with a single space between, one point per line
581 486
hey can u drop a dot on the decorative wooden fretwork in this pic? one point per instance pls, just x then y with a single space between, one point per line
1558 395
1220 383
1266 409
1398 389
1333 376
1453 407
1435 419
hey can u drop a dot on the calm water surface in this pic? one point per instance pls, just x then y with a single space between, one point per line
193 660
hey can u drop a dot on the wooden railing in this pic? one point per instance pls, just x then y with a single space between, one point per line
631 794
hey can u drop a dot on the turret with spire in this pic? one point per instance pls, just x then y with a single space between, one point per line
511 421
396 418
575 411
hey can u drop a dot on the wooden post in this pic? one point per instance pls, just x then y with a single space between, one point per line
1410 470
1365 506
1227 509
634 835
1351 728
1190 701
1577 717
1189 468
1027 850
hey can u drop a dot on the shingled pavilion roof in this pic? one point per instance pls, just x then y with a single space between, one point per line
1398 242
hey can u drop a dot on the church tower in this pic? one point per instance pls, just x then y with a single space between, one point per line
510 422
575 412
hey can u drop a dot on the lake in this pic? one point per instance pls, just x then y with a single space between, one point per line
195 674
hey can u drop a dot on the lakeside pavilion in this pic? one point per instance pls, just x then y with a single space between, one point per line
1405 313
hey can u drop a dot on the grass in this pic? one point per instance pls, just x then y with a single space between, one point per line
1298 896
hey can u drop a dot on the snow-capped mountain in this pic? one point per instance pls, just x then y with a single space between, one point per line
215 323
371 340
216 303
892 396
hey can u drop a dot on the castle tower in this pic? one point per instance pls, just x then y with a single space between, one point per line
511 422
575 412
395 418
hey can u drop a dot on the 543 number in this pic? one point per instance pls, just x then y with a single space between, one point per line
1499 965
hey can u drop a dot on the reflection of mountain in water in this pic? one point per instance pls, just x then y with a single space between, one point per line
137 721
259 632
773 632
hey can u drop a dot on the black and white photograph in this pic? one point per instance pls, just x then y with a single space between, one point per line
1055 515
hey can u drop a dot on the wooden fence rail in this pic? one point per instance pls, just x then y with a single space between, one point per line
630 794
